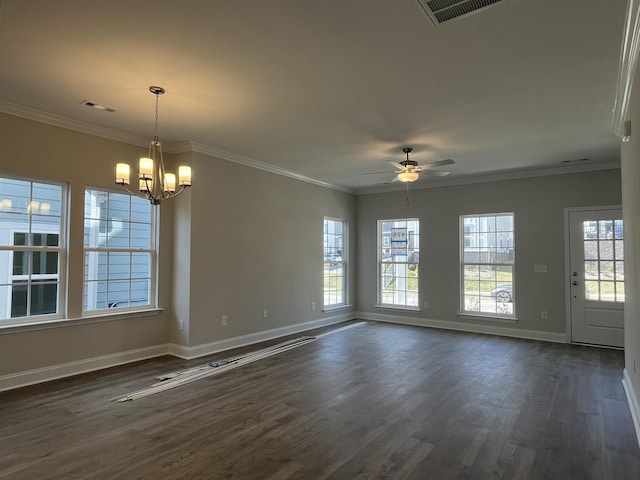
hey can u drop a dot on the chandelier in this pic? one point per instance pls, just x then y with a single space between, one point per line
154 184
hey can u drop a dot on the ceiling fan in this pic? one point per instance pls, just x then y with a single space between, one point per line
409 171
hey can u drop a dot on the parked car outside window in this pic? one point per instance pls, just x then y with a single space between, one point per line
502 293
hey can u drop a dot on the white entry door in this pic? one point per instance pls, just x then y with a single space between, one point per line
597 276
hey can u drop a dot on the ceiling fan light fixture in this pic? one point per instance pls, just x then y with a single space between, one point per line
408 176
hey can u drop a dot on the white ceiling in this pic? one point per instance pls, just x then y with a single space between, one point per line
330 89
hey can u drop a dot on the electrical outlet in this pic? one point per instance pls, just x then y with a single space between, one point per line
544 315
180 324
223 321
265 314
313 305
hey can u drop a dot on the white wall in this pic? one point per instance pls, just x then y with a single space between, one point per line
538 204
256 243
240 241
243 240
631 214
43 151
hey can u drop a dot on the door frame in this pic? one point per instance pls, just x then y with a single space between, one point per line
567 262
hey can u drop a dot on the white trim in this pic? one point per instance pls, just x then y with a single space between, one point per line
381 244
346 254
333 308
54 372
188 353
190 146
177 379
405 308
39 375
466 327
495 177
488 316
75 125
567 259
462 264
250 162
567 275
634 405
626 68
73 322
181 147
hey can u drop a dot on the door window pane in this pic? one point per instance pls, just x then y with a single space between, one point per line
604 265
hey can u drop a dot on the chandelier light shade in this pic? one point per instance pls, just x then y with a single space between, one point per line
408 176
154 183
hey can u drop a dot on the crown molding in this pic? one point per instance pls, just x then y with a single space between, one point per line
190 146
76 125
498 177
181 147
627 68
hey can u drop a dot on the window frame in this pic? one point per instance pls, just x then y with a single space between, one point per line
152 251
61 278
384 242
343 262
512 264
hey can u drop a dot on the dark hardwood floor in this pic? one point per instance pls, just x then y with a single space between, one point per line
379 401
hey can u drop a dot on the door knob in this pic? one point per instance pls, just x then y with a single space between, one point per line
575 282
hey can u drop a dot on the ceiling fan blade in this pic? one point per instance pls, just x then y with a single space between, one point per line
439 163
398 166
434 173
375 173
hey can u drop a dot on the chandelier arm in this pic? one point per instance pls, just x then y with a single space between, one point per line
153 184
131 192
178 192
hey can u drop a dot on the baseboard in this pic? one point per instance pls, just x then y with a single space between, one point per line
30 377
634 405
188 353
54 372
465 327
39 375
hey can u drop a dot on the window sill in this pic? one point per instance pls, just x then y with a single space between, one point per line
32 325
405 308
488 316
333 308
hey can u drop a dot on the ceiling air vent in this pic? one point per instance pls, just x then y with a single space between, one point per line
440 11
97 106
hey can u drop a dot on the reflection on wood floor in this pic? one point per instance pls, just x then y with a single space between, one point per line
380 401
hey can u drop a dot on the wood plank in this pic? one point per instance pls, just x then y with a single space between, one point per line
381 401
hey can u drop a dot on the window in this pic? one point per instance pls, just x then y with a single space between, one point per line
487 257
119 255
32 248
604 260
398 262
335 265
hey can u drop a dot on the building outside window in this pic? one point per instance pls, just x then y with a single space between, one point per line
119 251
487 259
398 262
32 249
335 265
